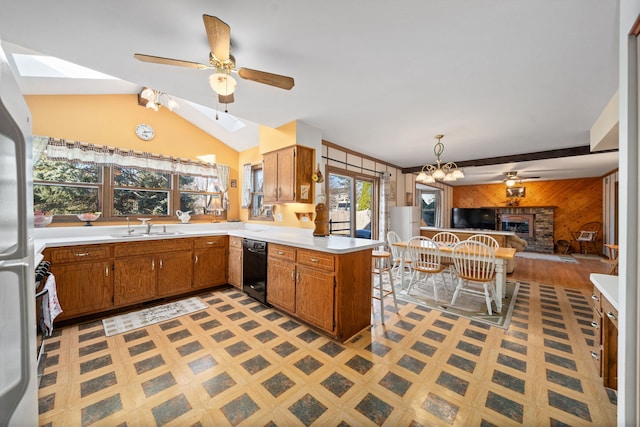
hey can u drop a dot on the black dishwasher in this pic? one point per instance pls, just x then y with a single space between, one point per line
254 269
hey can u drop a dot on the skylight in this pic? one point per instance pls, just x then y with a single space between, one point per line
49 66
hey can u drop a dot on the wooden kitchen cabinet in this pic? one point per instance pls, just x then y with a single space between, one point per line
287 175
146 270
329 291
84 280
605 347
235 261
281 277
210 261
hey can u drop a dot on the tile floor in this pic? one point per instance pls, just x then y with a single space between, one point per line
241 363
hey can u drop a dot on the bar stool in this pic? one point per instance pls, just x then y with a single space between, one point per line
381 265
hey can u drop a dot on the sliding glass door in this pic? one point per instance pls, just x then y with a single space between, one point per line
351 204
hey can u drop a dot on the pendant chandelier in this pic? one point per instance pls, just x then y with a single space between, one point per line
439 172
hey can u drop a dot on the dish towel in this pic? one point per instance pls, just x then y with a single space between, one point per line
50 306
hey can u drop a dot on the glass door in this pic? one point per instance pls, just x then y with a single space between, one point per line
351 205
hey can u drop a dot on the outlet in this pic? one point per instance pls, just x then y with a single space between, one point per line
279 217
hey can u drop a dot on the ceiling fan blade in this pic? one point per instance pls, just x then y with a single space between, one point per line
169 61
225 99
283 82
219 35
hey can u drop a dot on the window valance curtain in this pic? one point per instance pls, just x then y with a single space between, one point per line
60 149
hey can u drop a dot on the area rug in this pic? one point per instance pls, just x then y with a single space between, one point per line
469 306
138 319
547 257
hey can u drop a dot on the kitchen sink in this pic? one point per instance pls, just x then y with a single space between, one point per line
152 234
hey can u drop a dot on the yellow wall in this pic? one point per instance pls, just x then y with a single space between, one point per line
111 120
273 139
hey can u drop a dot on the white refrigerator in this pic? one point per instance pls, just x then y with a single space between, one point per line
18 376
405 220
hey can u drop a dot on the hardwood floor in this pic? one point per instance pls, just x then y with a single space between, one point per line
569 275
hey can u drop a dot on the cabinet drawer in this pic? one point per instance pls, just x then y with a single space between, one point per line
79 253
596 296
152 246
235 242
610 312
282 252
210 242
316 259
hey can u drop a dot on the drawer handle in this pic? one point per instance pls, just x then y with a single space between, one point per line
196 259
106 271
82 254
595 325
160 262
595 355
211 243
595 297
293 274
611 316
314 260
280 252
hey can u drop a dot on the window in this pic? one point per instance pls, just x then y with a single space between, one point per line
351 204
65 188
200 195
429 199
258 210
68 187
139 191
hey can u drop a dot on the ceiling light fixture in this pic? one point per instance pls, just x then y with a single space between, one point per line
511 178
447 172
222 82
155 99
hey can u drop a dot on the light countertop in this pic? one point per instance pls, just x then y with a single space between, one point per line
298 237
608 285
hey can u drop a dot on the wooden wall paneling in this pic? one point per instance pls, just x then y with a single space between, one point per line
578 201
368 167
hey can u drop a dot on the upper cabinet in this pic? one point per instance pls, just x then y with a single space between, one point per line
287 175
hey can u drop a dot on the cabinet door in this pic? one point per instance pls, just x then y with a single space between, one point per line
134 279
83 287
174 272
210 267
315 296
270 177
235 266
281 285
286 175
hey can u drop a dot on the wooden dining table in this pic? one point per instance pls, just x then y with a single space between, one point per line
502 256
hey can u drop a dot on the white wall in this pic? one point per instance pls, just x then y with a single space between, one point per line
628 383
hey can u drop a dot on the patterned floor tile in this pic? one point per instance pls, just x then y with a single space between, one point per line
307 409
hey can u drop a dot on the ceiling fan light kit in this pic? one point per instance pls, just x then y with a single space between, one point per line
439 172
154 99
223 84
512 178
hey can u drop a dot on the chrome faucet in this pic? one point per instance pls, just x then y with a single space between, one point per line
149 227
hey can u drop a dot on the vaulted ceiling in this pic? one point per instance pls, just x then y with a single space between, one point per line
381 78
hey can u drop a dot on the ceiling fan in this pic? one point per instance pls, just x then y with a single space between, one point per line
221 60
511 178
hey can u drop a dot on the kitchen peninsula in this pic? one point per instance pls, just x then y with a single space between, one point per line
323 281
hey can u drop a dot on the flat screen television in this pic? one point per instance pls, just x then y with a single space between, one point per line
478 218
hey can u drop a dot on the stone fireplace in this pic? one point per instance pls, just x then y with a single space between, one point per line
540 219
521 224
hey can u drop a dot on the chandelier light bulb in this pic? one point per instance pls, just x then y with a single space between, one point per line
438 174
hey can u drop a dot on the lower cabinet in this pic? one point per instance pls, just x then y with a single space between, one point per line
605 348
210 261
84 280
234 272
146 270
329 291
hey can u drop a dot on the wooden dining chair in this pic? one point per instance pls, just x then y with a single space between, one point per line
425 263
447 238
486 239
475 267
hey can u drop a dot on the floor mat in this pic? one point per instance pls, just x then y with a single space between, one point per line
547 257
138 319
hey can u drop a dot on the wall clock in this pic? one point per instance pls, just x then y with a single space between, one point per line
145 132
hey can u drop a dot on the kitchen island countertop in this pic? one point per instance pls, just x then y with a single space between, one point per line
298 237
